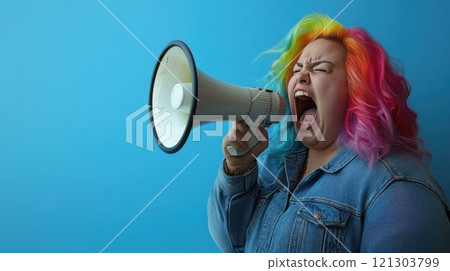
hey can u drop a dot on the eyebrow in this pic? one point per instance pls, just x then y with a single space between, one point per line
315 63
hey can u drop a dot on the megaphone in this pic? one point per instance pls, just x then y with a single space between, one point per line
179 92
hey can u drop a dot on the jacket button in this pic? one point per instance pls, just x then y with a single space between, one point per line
317 215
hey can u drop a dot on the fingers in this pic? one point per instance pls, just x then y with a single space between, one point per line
239 135
236 138
262 145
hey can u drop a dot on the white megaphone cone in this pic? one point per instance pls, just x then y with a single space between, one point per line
179 92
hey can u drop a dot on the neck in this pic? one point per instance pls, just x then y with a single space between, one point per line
319 157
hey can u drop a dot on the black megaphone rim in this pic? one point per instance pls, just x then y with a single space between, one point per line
194 81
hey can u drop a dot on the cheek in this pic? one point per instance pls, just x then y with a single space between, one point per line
333 102
290 93
343 96
291 102
291 84
340 105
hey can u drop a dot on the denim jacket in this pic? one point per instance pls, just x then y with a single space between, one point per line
343 206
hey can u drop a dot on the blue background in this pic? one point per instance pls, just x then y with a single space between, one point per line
70 74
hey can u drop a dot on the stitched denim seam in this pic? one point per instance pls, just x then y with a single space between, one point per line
406 178
256 214
398 179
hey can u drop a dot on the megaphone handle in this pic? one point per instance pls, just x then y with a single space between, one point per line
251 143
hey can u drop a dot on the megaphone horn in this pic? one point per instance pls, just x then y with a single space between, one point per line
182 92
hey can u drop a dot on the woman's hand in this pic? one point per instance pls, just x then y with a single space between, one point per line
241 164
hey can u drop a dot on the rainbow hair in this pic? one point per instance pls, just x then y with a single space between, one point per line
378 119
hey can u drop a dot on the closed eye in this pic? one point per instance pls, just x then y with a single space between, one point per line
298 67
320 70
322 66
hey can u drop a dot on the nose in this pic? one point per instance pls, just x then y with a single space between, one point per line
303 77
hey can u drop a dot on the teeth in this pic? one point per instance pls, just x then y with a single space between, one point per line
301 94
305 122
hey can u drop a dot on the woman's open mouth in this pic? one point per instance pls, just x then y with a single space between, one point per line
306 109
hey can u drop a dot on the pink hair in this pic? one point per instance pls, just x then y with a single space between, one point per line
378 119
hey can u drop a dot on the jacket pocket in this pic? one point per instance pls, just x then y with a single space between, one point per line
319 227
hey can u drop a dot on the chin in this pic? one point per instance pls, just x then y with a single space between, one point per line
310 142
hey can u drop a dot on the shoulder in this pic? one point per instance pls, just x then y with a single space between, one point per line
407 205
406 217
404 167
369 183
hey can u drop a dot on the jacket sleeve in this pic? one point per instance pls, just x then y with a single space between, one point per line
230 208
406 217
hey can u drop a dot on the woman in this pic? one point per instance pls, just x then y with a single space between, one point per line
357 181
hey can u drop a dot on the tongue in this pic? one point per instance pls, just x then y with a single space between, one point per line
311 111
